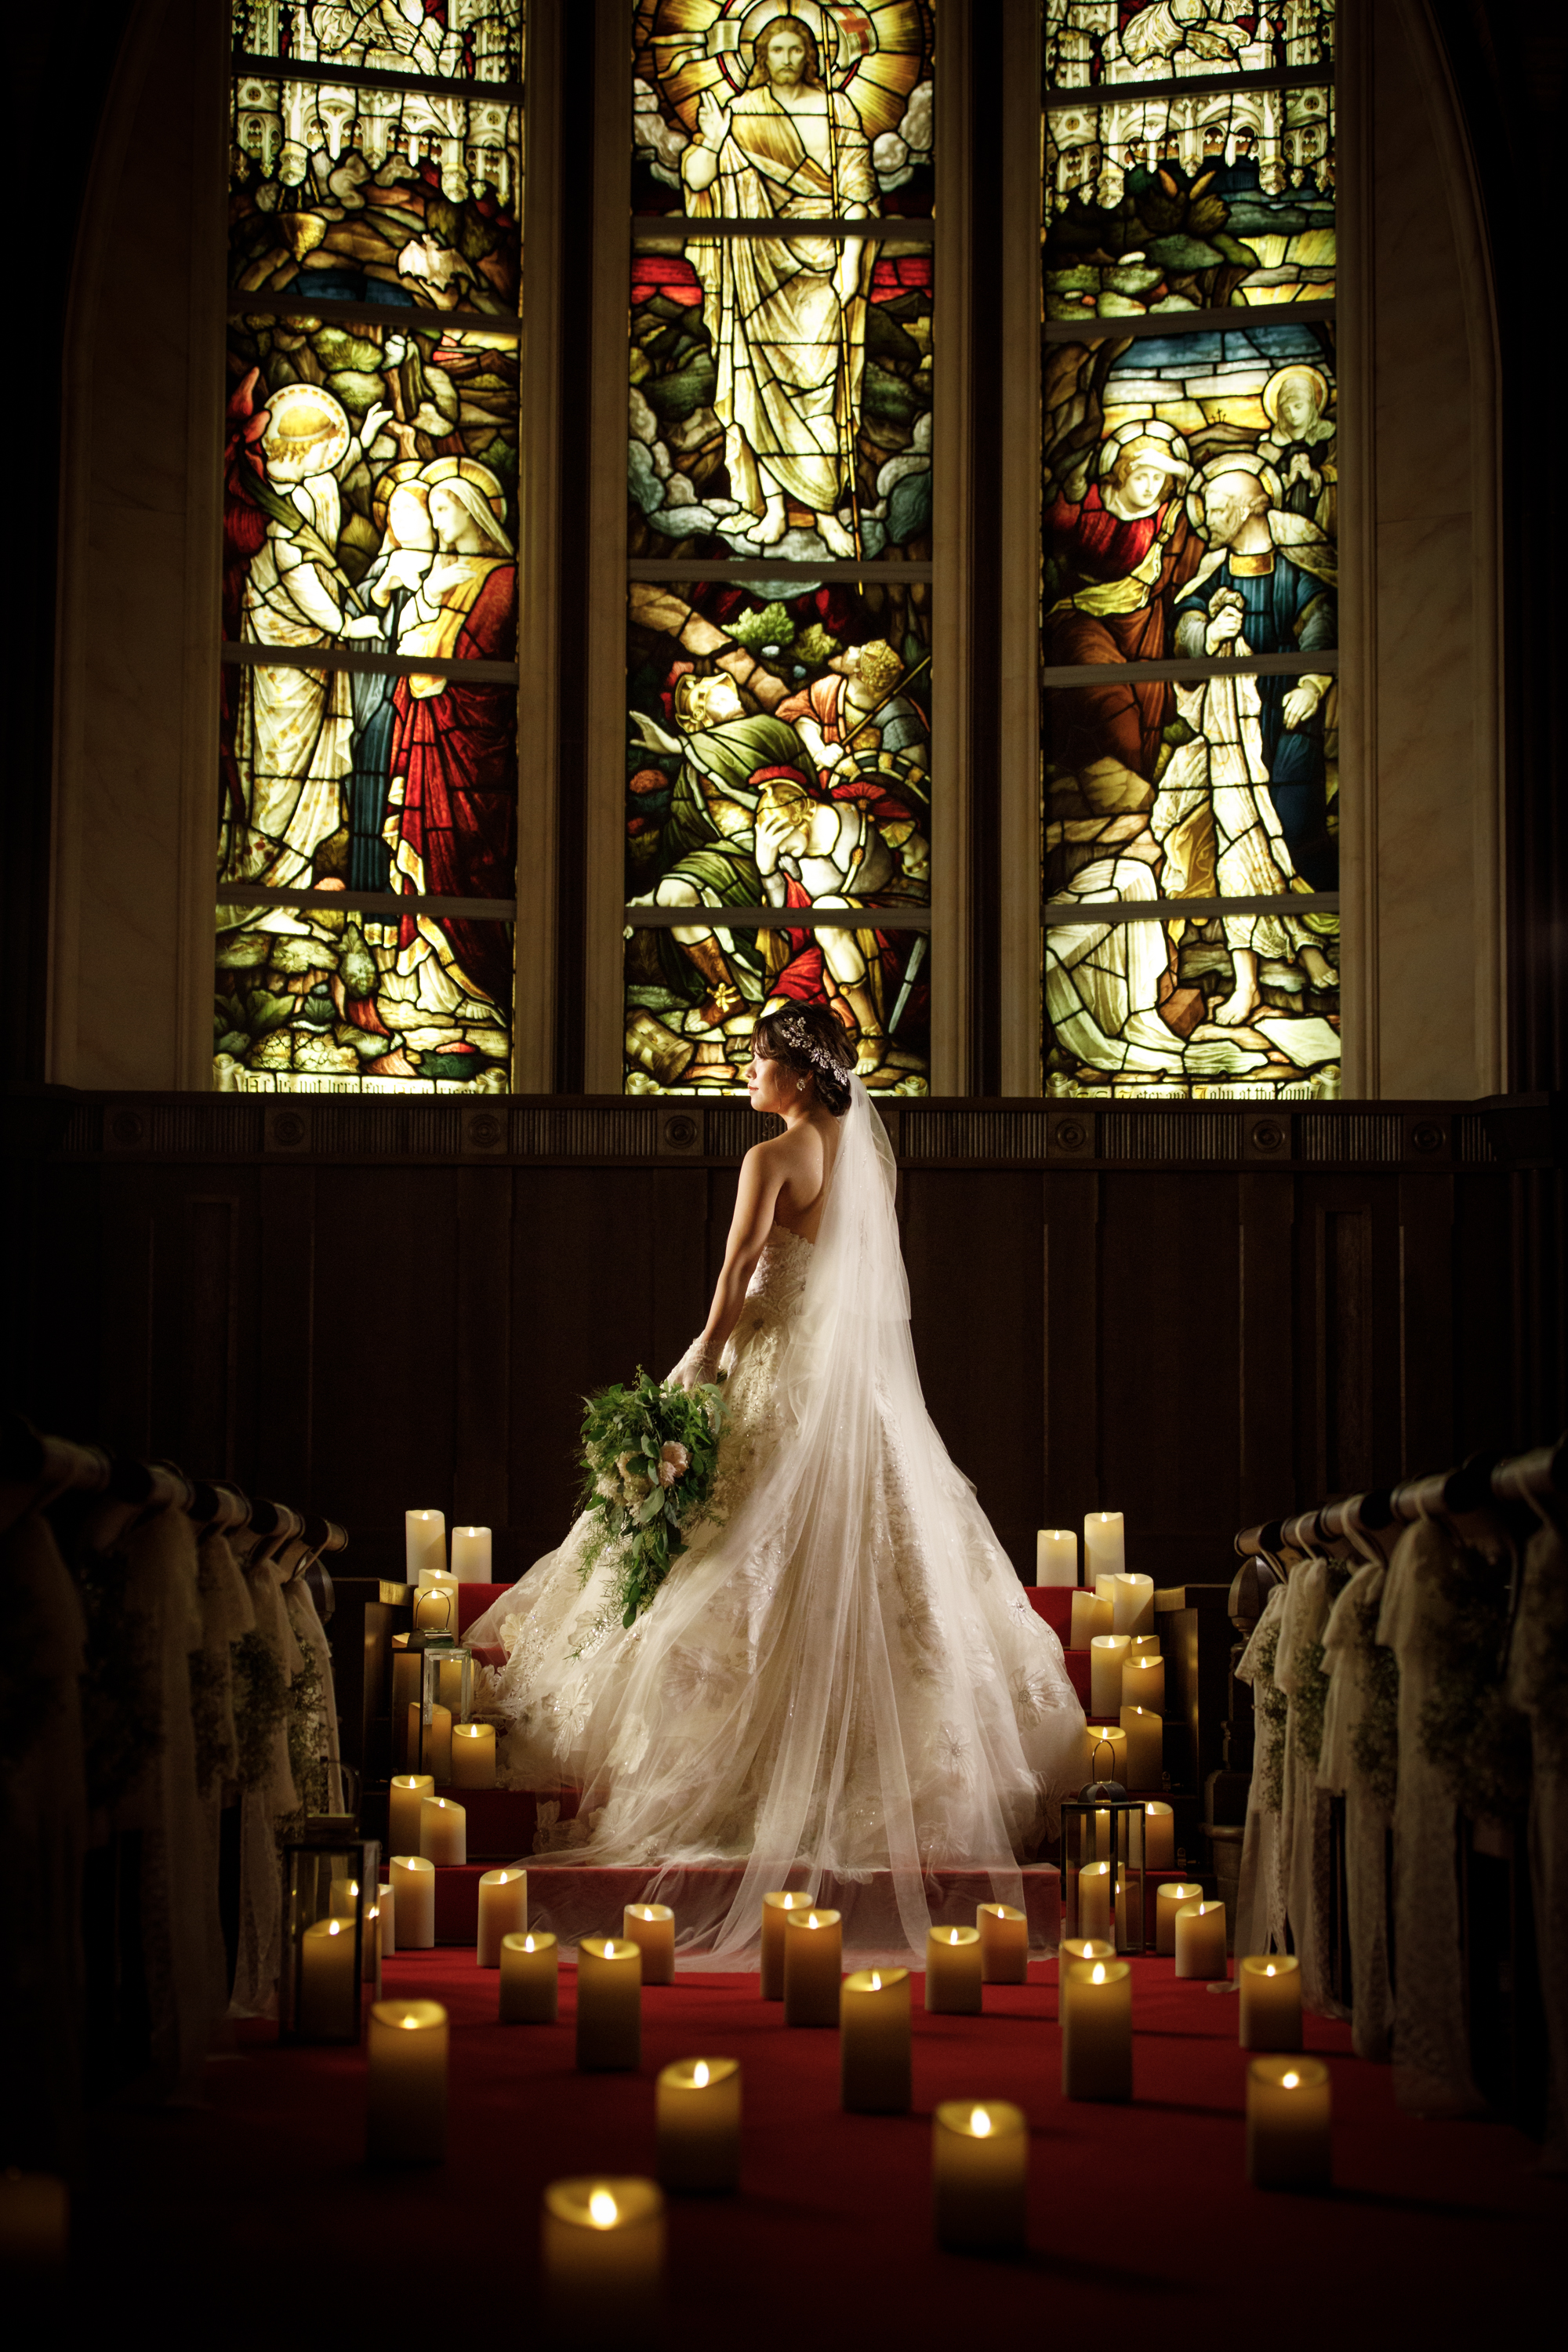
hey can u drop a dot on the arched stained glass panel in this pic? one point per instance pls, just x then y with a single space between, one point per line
368 772
778 799
1189 614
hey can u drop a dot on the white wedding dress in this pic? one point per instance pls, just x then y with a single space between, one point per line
840 1686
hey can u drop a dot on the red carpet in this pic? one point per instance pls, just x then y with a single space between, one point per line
255 2213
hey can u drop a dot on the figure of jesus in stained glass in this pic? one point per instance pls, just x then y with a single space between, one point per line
786 314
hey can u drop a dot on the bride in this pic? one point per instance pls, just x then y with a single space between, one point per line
840 1684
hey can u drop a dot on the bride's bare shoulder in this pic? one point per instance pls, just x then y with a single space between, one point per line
798 1151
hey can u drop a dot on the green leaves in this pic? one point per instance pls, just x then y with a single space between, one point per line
625 1430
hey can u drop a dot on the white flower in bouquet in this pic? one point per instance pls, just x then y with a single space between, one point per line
673 1462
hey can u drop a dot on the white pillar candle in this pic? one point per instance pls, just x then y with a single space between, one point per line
1144 1645
1106 1652
1090 1616
609 2004
443 1831
814 1962
1103 1552
471 1555
1094 1899
602 2245
1105 1747
980 2173
425 1542
407 1672
1158 1835
436 1608
386 1923
438 1742
1076 1947
449 1685
406 2103
530 1979
1145 1746
1056 1556
953 1972
651 1926
342 1898
697 2120
35 2225
409 1790
1287 2124
503 1911
328 1984
371 1946
1143 1684
873 2032
1200 1940
1169 1897
473 1756
412 1882
1004 1943
1133 1604
1097 2031
1270 1987
776 1908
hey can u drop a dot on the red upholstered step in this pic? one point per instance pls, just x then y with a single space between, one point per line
503 1822
588 1900
1051 1601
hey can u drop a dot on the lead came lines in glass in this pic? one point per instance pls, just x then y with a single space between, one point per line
1191 505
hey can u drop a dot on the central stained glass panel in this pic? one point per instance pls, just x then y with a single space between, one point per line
778 764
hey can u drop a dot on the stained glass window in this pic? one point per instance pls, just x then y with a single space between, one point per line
780 489
1189 617
367 801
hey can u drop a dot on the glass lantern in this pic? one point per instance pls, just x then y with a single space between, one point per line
446 1697
330 1889
1103 1870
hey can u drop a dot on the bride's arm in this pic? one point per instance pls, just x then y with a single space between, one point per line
762 1177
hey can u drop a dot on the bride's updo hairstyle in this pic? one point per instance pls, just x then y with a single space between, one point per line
813 1043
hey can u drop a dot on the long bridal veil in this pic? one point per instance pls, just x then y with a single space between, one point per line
900 1709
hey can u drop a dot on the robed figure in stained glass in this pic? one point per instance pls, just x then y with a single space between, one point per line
452 825
786 314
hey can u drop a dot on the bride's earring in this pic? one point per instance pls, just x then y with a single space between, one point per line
800 1086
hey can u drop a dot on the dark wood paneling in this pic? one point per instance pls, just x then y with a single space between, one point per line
1200 1321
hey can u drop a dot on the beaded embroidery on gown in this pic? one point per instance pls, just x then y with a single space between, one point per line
840 1684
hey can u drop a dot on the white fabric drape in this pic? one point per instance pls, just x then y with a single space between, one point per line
1261 1901
840 1686
1303 1804
1360 1761
1538 1685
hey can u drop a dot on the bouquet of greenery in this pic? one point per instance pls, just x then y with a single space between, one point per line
649 1452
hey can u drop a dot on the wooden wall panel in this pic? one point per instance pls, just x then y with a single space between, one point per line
1200 1323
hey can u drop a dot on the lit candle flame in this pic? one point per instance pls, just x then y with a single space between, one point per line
1290 2082
812 1920
335 1926
1268 1971
700 2074
528 1943
876 1981
603 2210
953 1935
1099 1975
980 2122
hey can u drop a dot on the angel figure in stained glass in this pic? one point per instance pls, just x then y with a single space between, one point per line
401 505
294 726
786 314
452 814
1302 445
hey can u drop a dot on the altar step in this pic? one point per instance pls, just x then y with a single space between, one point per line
588 1900
1051 1601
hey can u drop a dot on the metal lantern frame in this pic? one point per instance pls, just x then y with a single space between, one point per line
442 1658
312 1866
1127 1847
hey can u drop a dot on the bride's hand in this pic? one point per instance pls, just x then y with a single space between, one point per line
696 1368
